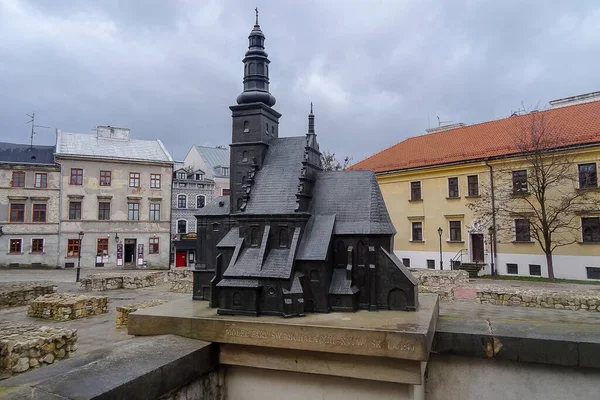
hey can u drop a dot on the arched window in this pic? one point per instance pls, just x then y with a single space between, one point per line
273 130
267 129
182 226
243 180
283 237
182 201
254 237
240 201
267 70
341 254
246 127
252 68
261 69
237 299
314 276
362 253
244 156
200 201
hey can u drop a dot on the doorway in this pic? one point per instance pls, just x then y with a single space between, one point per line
477 250
180 258
130 245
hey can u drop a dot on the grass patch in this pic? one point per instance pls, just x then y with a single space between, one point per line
536 279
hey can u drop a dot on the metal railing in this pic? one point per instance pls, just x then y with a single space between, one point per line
456 261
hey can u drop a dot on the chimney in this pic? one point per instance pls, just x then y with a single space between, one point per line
112 132
446 127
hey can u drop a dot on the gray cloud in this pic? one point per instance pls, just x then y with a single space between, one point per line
376 71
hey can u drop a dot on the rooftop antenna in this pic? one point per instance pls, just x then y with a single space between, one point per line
33 126
442 122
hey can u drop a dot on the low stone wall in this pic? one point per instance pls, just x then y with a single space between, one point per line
181 280
444 293
588 301
122 319
64 307
437 278
21 294
26 346
111 281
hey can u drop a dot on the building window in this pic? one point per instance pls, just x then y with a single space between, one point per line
182 185
225 171
224 192
105 178
102 247
519 179
154 212
199 177
237 299
512 269
473 185
181 175
406 262
535 269
246 127
590 229
455 231
41 180
244 156
215 227
182 201
593 272
73 248
417 231
37 245
201 186
415 190
431 264
133 211
283 237
200 201
75 210
155 181
134 179
104 211
522 230
254 237
153 247
15 246
76 176
182 226
39 213
17 212
18 179
453 187
588 177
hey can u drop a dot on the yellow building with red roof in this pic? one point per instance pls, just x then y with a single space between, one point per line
432 182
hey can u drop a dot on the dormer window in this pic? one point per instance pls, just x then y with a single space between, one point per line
199 177
181 175
225 171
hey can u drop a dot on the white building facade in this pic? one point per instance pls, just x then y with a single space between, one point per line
117 192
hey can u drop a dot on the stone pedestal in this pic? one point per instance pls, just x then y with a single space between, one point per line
373 346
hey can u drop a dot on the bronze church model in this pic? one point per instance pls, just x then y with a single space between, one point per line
291 238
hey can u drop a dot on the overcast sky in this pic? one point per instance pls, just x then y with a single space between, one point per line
376 71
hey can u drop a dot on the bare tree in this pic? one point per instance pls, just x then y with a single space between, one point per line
331 163
536 191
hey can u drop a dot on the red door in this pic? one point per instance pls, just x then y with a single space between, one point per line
180 258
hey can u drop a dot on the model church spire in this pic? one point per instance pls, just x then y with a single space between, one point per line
256 70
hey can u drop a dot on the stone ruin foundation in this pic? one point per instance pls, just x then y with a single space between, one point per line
122 319
64 306
539 298
27 346
181 280
23 293
112 281
439 282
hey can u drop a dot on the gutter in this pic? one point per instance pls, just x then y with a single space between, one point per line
60 193
493 244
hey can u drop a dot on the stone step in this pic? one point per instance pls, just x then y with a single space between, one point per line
472 268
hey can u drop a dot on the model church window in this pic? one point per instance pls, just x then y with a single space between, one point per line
246 127
283 237
237 299
254 237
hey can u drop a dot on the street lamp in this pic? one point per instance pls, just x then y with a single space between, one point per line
79 255
491 231
440 230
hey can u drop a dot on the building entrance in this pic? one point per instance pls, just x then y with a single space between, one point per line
477 250
130 246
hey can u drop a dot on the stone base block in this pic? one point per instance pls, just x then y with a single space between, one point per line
181 280
122 319
25 346
64 307
21 294
112 281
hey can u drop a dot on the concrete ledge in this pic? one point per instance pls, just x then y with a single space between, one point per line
144 368
500 336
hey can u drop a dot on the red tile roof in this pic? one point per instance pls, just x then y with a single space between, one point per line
576 124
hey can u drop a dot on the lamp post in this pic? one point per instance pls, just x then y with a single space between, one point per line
440 231
79 255
491 231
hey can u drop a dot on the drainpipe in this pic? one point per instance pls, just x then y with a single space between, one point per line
493 244
60 194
